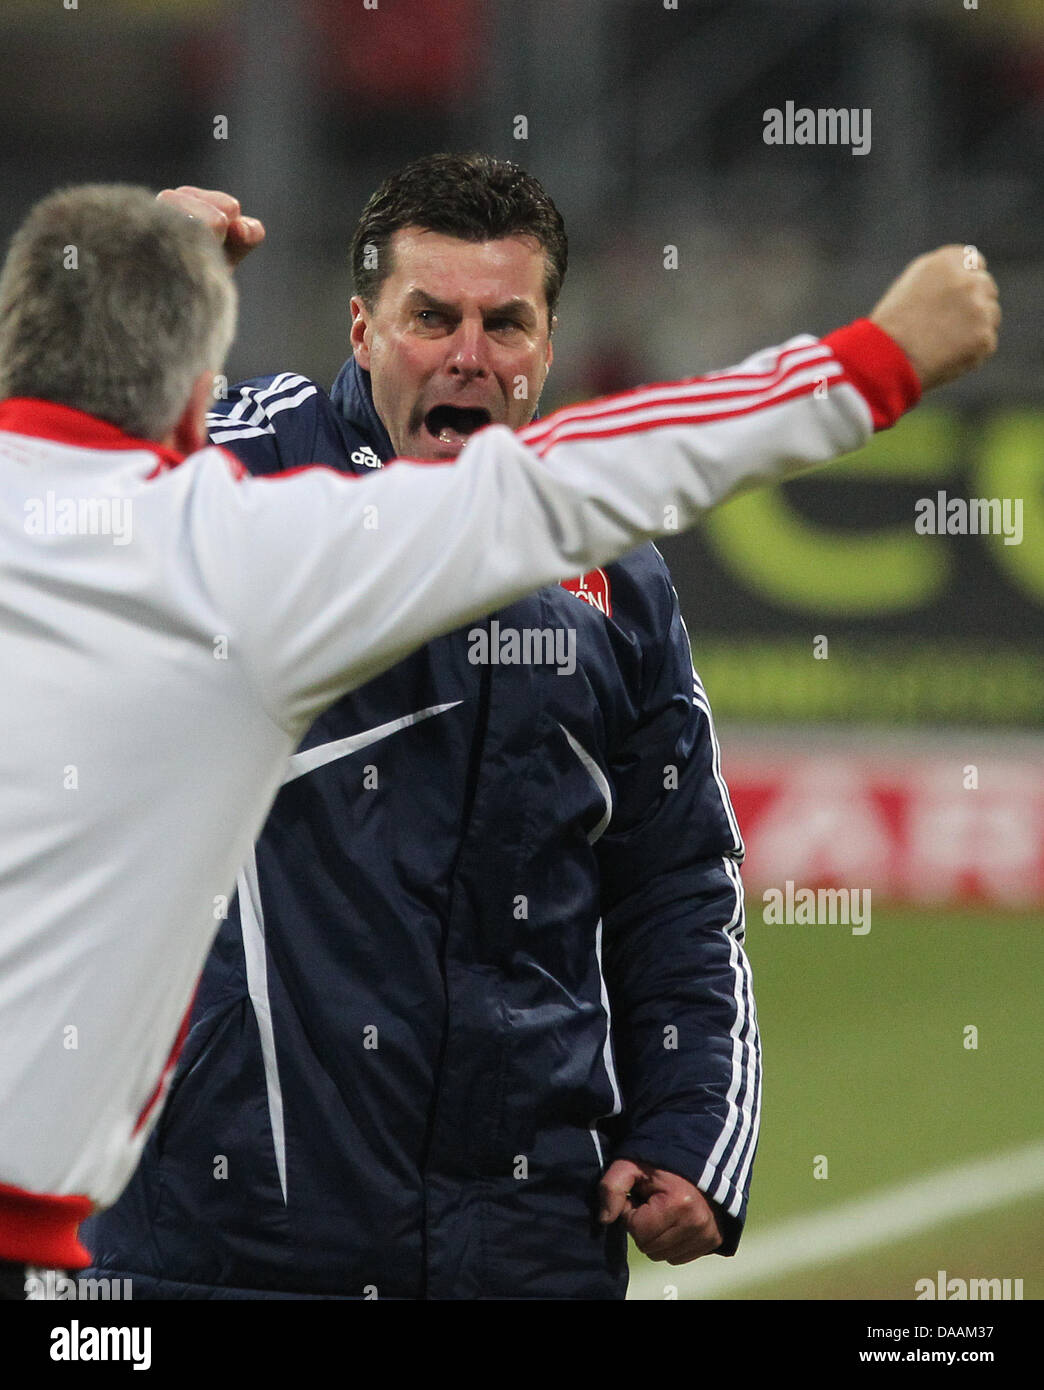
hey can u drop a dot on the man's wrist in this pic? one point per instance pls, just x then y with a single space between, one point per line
878 368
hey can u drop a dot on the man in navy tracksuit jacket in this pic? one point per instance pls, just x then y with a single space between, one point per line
490 942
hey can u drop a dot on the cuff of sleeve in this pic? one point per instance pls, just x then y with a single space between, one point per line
731 1228
42 1230
675 1161
878 368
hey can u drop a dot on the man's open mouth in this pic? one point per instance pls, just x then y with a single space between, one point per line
454 424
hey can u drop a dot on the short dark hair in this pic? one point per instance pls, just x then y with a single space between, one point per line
471 196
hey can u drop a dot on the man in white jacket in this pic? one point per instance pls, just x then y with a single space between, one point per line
169 627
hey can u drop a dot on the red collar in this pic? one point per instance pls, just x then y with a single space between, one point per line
47 420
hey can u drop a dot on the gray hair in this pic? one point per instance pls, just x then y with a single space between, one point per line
114 304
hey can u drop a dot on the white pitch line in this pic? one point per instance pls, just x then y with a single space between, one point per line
883 1218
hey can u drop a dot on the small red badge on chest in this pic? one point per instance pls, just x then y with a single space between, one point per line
593 588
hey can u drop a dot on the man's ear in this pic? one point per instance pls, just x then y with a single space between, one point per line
190 432
359 335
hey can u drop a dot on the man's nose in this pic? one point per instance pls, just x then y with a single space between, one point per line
468 357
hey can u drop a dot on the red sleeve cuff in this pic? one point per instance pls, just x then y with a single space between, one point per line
39 1229
878 368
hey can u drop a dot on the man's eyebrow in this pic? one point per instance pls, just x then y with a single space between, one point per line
423 299
518 308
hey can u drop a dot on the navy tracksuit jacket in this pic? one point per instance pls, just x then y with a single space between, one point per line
490 940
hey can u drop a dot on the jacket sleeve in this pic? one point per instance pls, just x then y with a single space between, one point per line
330 580
684 1026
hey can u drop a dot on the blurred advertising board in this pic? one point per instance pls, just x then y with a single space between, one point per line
902 586
951 818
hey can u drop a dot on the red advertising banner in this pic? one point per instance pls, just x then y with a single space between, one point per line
946 824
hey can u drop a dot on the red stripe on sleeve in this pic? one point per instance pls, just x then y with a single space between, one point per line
571 430
169 1065
728 384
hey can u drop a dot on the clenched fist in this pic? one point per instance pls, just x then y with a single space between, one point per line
221 213
944 312
666 1216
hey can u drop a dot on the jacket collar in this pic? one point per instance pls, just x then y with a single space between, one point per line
64 425
352 396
